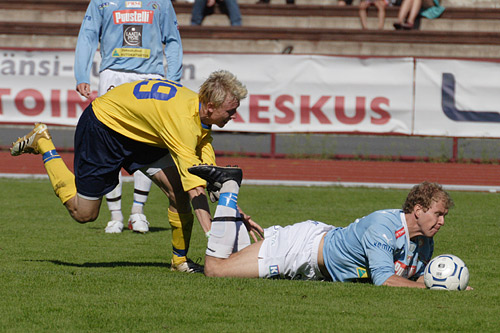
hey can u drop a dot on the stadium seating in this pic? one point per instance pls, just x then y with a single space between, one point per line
468 28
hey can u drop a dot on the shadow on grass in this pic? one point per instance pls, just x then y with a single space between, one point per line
125 229
107 264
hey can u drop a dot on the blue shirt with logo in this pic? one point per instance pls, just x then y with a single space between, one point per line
376 247
132 35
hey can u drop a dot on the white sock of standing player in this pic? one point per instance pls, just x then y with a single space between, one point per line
114 201
142 186
227 234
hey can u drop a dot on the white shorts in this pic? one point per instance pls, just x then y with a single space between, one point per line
292 252
108 79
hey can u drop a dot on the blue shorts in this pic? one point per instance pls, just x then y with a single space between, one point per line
100 154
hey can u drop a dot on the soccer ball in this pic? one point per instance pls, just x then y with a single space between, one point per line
446 272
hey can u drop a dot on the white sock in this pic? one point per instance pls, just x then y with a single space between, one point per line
116 215
137 208
242 237
224 230
142 186
114 200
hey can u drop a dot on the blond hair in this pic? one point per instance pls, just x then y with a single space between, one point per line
424 194
217 87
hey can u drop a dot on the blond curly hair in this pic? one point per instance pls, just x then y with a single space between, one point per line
218 86
424 194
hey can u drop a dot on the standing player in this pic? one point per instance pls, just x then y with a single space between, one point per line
132 35
388 247
156 126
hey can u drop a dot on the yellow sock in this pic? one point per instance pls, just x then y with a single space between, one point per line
182 225
62 180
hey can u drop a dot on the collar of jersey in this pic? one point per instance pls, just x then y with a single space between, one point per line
207 127
405 225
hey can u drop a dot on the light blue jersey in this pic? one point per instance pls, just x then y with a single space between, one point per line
132 35
376 247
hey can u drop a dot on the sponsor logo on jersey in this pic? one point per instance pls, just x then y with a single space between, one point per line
412 271
133 4
386 238
154 4
274 270
399 268
131 53
132 35
383 246
103 5
362 272
133 16
400 232
412 248
107 4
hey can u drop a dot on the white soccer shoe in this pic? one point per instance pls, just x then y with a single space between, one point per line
188 266
28 144
114 227
138 223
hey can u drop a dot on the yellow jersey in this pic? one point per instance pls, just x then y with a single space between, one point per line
163 114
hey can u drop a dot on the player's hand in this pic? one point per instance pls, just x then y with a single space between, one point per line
210 3
84 90
254 229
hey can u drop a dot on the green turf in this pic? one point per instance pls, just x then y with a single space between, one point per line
58 275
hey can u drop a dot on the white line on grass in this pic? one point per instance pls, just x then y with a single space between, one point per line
450 187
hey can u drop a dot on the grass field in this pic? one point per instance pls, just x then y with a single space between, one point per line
58 275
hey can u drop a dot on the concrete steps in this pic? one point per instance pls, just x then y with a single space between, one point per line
446 3
316 28
311 16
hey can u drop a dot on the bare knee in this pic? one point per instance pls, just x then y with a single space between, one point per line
83 217
212 267
83 211
210 272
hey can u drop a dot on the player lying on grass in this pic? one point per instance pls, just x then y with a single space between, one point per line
388 247
144 125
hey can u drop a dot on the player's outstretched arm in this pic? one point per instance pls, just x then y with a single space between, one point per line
398 281
199 202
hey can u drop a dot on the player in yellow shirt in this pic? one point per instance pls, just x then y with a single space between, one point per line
156 126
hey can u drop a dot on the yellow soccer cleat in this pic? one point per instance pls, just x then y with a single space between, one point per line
28 144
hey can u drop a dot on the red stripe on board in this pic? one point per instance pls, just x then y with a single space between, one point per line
317 170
